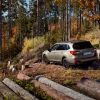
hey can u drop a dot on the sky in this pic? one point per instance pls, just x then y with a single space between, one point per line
27 1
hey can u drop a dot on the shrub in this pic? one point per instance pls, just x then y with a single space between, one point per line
31 43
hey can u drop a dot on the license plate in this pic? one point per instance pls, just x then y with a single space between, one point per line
88 53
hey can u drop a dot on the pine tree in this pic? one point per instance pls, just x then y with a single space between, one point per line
9 19
0 21
0 27
21 21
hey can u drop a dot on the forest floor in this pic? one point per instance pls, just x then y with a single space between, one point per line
61 75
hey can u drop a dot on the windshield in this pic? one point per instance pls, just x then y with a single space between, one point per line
82 45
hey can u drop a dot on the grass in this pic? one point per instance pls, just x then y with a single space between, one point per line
31 43
69 83
8 98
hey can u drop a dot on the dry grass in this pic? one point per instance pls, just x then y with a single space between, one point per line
31 43
60 74
92 36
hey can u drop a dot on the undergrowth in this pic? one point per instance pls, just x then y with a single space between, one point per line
42 95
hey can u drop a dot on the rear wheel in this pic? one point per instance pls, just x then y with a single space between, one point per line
65 63
45 59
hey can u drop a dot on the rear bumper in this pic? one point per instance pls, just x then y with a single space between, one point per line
79 61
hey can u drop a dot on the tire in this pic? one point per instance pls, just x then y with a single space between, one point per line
45 59
65 63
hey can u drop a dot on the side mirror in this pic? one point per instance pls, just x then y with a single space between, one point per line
49 50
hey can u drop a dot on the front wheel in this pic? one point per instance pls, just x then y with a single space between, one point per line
45 59
65 63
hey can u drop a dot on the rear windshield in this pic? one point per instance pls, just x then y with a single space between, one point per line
82 45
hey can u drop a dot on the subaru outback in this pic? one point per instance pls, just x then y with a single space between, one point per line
70 53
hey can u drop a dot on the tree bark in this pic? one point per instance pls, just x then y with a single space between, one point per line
69 36
37 16
0 28
80 21
9 26
66 91
67 19
9 19
90 87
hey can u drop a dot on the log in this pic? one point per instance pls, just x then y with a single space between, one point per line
6 92
67 91
91 87
50 91
22 76
19 90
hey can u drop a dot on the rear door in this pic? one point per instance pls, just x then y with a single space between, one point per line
60 50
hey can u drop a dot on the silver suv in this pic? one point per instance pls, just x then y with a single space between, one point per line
70 53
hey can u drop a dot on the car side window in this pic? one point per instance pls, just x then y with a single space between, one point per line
67 47
63 47
60 47
54 47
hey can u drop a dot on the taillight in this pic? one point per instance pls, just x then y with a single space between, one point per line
73 52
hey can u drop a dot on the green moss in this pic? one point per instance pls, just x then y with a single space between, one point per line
8 98
42 95
69 82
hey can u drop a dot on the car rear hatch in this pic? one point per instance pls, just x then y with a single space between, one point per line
84 49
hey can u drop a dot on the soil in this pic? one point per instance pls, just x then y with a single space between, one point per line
61 75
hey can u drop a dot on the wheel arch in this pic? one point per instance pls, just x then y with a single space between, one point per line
63 58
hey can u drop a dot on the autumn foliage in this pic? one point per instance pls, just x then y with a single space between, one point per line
88 7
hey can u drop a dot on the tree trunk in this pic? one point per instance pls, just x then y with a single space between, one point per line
64 24
66 91
77 25
0 28
9 19
80 21
99 21
69 36
9 26
37 16
67 19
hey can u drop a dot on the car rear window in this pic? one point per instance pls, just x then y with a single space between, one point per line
82 45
